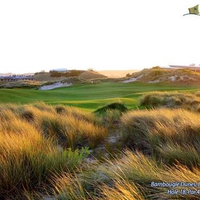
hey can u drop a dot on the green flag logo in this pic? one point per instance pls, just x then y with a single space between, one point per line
193 11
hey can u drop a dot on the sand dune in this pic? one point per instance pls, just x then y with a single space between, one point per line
91 75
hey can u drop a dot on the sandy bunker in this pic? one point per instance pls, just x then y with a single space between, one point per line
54 85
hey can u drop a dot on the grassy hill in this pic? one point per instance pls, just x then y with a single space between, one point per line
59 76
91 75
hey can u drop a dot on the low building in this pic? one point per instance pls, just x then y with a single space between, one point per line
59 70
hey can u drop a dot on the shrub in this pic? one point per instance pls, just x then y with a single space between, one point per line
110 118
112 106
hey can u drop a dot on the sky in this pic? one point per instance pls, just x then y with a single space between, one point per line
40 35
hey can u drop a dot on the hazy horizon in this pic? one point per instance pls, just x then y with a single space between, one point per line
109 73
103 35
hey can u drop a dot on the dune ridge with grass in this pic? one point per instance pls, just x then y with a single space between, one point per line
166 75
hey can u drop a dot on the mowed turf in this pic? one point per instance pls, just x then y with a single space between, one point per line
89 96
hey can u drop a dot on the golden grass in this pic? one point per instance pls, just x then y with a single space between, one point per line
165 146
132 176
122 190
70 187
150 131
27 160
184 154
136 169
171 100
29 138
71 127
171 137
77 113
24 160
70 130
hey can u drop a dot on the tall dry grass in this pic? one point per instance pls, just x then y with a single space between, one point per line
131 176
86 184
161 132
136 172
30 153
28 160
122 190
70 187
169 140
70 127
34 154
171 100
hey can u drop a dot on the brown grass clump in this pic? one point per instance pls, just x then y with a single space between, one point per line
131 176
70 127
137 174
76 113
29 150
134 166
70 187
150 131
122 190
27 160
171 100
184 154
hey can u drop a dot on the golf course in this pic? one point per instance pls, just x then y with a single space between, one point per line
90 96
99 100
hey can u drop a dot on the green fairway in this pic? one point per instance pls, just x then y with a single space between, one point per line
89 96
